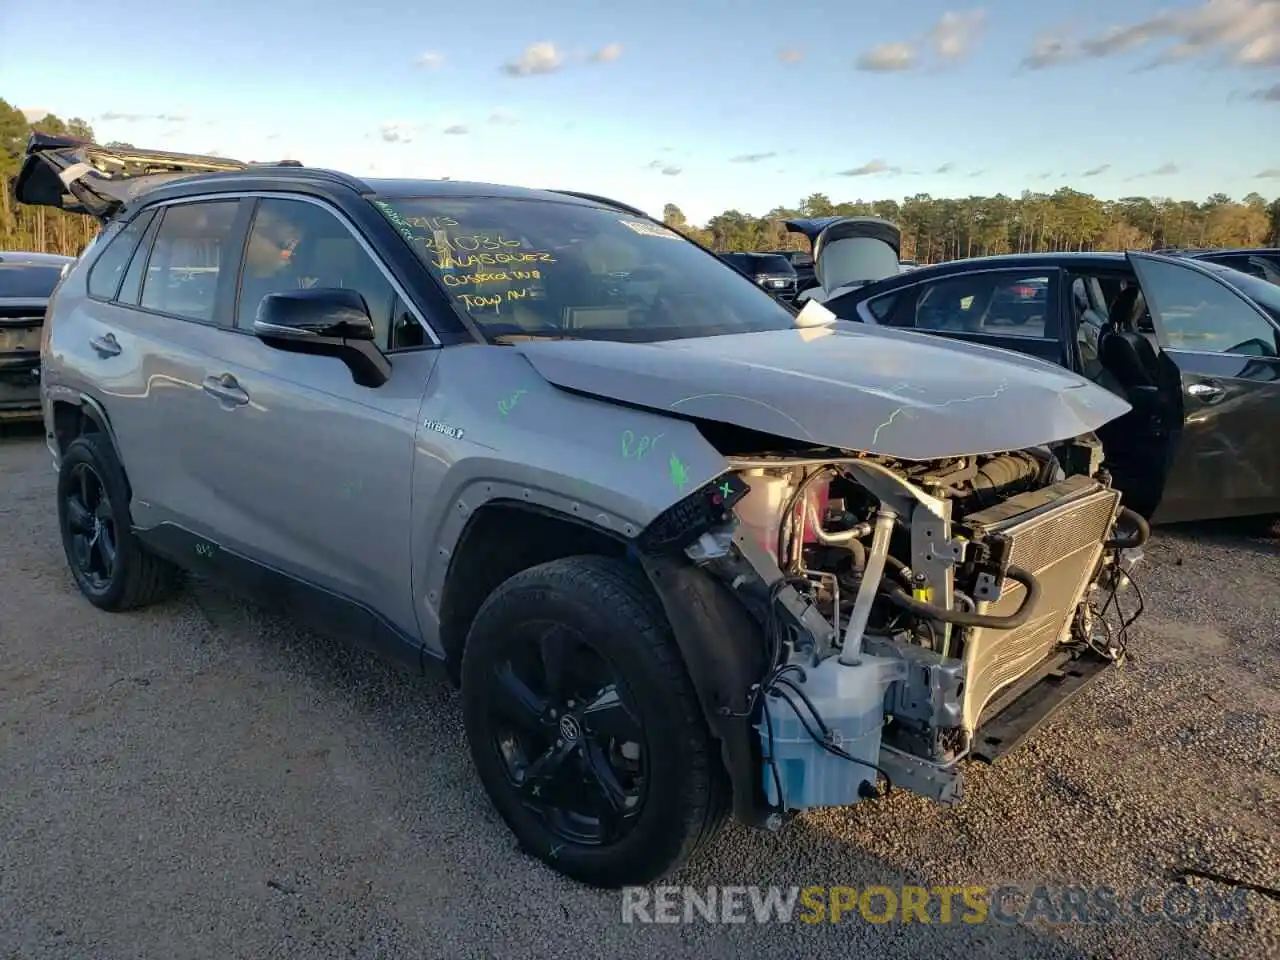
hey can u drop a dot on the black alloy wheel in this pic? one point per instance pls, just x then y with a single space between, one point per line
90 526
585 729
572 747
109 564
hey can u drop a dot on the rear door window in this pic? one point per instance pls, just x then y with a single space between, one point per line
188 257
132 286
999 303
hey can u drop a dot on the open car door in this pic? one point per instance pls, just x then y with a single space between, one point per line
82 177
849 252
1226 460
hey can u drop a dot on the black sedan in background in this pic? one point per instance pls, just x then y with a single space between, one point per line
1261 262
26 282
1192 345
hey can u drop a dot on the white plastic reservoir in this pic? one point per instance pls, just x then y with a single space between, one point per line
850 700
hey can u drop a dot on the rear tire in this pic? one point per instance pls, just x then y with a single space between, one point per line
622 696
110 566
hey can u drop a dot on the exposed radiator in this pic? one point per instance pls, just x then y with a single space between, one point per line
1057 534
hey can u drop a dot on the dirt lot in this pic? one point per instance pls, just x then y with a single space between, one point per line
202 780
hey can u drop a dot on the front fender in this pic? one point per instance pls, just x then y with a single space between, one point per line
493 430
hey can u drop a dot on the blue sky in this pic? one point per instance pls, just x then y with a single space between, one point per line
709 104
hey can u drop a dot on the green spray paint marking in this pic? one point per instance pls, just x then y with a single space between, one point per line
507 405
679 475
204 549
633 447
726 489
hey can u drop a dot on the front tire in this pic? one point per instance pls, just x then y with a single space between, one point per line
109 565
584 725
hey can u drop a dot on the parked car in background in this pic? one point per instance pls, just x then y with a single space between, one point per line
604 481
848 252
26 282
803 264
772 272
1263 263
1192 345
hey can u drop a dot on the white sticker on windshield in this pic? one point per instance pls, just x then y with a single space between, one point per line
647 229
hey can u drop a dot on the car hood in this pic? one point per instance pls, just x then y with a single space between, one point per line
844 385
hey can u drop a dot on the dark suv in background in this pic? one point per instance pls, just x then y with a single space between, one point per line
27 280
772 271
1261 262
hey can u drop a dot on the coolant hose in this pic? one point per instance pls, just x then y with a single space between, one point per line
963 618
872 574
1141 527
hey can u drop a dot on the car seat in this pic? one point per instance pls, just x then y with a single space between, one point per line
1127 354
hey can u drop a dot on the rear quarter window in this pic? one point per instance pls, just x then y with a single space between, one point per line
109 267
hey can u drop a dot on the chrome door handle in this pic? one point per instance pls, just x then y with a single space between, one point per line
1207 392
226 388
105 345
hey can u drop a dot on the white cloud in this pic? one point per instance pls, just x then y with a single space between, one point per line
751 157
502 118
1242 33
1049 50
955 34
1096 171
431 60
607 53
670 171
1269 94
946 168
951 39
540 57
458 129
867 169
1271 173
116 116
398 132
887 57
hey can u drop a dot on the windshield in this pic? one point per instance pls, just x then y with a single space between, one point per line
28 281
1262 292
541 268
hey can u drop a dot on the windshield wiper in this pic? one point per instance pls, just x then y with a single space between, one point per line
521 337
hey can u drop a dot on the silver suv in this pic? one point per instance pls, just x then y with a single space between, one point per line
686 552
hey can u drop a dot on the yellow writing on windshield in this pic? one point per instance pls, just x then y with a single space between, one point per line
430 223
475 279
473 243
473 300
490 259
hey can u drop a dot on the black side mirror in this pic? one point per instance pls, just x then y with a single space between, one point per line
325 321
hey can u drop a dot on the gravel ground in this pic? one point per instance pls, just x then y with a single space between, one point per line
203 780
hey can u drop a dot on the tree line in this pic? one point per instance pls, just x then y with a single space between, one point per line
933 228
37 228
943 228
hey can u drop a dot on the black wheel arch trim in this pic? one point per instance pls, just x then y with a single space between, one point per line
724 651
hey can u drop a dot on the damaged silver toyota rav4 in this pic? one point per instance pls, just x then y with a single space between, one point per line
686 552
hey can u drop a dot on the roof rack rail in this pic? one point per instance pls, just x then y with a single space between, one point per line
605 200
79 176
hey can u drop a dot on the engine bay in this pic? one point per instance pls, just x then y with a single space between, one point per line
904 603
